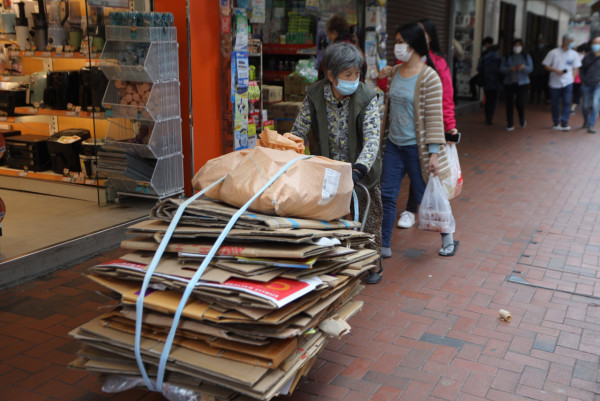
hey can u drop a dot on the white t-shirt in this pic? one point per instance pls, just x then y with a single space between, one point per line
561 60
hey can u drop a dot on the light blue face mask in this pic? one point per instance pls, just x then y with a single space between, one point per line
572 45
596 47
347 88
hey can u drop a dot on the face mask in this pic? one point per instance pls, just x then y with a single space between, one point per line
596 47
572 45
517 49
346 88
401 52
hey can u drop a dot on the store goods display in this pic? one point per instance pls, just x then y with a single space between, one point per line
261 312
62 88
28 152
92 85
12 95
58 34
272 93
64 148
142 155
88 156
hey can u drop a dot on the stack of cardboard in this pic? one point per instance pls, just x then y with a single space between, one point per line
275 291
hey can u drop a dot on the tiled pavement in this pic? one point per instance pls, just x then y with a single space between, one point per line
528 222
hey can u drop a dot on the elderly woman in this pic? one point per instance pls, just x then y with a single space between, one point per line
342 113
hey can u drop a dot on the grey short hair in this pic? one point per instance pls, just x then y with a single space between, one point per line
568 36
341 56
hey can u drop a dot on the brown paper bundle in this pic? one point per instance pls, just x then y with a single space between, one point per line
315 188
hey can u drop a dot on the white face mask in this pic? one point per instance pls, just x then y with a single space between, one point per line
401 52
517 49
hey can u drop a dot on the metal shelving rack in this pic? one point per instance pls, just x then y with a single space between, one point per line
143 152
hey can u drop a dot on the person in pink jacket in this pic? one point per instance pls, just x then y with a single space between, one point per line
407 218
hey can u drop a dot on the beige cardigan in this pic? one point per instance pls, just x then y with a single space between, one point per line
429 123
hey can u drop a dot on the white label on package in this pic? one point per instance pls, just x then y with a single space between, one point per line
331 180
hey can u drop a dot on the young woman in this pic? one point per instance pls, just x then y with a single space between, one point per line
416 129
407 217
516 69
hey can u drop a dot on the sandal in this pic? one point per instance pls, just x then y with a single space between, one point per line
444 250
375 277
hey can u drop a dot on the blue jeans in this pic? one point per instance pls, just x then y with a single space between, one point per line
591 104
398 161
561 112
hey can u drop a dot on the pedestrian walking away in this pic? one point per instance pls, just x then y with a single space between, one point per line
414 143
516 69
489 70
343 115
563 64
590 80
577 86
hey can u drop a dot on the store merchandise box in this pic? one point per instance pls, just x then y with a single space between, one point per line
292 109
28 152
295 88
64 148
276 110
272 93
285 125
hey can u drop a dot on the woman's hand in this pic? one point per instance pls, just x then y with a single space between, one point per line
433 164
453 131
385 72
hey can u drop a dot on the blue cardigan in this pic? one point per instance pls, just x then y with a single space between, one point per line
522 76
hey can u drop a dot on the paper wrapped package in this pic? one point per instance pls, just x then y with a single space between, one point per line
314 188
271 139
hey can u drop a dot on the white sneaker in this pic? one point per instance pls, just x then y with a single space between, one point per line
565 128
406 220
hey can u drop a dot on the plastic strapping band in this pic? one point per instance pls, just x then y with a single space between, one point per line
355 201
139 304
192 283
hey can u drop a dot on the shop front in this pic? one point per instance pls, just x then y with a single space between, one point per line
91 125
270 55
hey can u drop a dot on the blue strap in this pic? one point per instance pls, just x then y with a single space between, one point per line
355 201
139 304
192 283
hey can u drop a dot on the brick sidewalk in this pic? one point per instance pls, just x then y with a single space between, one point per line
527 222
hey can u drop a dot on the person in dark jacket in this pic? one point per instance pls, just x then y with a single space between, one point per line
489 69
343 115
590 80
516 69
539 76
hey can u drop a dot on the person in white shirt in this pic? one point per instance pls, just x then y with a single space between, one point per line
563 64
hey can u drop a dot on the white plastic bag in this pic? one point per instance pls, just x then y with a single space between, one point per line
453 182
435 213
455 170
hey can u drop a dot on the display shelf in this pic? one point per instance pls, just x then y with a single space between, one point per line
75 178
167 179
275 75
276 48
144 34
54 54
161 102
15 78
32 111
143 155
158 139
140 61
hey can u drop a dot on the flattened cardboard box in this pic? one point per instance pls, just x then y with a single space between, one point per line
266 384
250 250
